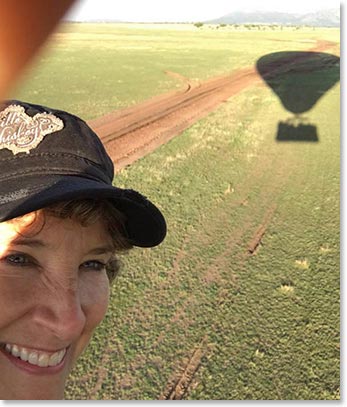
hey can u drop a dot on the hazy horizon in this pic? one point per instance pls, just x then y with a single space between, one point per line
180 11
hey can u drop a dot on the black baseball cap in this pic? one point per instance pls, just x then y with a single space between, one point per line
48 156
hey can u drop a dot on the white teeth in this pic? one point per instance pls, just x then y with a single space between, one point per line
24 354
53 360
41 359
56 358
33 358
15 351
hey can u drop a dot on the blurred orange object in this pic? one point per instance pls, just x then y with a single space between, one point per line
24 26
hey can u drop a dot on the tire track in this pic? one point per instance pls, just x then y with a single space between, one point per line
131 133
149 136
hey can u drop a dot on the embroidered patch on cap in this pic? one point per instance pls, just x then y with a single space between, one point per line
21 133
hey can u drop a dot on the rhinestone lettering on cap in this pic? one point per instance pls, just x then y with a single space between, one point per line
21 133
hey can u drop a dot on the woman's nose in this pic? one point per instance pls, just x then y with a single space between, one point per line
60 313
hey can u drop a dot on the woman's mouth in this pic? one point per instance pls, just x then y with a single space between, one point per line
32 359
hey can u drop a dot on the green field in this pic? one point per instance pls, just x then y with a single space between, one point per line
253 326
91 69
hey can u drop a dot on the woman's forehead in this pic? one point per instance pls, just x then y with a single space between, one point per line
18 226
47 227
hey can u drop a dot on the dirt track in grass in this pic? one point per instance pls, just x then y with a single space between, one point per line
132 133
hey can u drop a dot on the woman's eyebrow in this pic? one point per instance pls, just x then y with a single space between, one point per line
28 242
20 241
102 250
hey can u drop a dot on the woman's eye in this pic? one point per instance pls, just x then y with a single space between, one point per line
94 265
18 259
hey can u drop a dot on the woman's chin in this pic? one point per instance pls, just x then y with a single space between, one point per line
41 394
34 393
21 383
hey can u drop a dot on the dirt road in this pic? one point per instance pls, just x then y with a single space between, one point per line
243 291
131 133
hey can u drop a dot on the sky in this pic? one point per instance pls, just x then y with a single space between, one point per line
184 10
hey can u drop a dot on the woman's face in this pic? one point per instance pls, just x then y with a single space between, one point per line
53 293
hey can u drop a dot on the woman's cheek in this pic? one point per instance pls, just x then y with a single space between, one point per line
94 298
16 290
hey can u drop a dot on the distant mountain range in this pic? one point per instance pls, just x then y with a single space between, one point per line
321 18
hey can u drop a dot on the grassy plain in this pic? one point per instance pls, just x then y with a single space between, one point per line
92 69
261 326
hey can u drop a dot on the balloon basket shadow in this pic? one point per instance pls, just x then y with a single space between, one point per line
299 132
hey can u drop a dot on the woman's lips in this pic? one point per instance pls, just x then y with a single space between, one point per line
35 361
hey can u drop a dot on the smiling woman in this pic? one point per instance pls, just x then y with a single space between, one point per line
62 223
57 295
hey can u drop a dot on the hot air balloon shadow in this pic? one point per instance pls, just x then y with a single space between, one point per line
299 79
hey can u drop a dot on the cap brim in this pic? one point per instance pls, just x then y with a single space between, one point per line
145 224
